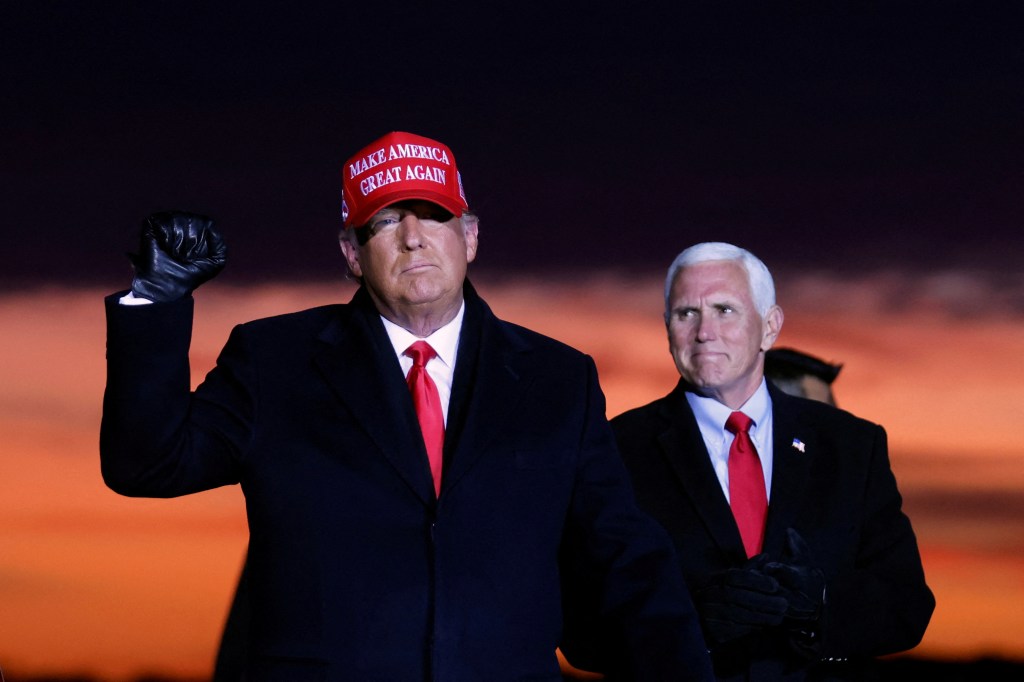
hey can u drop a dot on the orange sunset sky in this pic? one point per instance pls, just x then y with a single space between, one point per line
94 583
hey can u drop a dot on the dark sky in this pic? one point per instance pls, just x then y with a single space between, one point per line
835 135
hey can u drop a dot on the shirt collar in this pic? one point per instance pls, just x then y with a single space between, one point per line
711 415
444 341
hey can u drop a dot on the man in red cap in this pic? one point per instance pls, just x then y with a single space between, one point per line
417 472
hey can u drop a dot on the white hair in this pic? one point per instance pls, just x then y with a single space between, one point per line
762 286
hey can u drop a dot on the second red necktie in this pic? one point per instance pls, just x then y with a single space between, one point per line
747 494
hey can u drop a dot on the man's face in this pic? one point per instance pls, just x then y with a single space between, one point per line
415 260
715 332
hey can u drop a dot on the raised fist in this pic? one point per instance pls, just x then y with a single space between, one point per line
178 251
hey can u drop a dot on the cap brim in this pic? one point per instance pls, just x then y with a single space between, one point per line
446 202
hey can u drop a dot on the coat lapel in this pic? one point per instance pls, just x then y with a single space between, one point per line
688 456
491 378
795 446
360 365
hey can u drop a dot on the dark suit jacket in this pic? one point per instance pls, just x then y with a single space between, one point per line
836 489
356 571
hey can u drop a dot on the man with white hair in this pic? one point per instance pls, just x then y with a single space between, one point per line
785 512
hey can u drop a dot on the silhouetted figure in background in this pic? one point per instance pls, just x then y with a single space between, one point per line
802 374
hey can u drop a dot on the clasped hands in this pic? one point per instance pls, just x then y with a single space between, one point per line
787 595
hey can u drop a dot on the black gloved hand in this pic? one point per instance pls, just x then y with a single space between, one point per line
738 602
178 251
803 586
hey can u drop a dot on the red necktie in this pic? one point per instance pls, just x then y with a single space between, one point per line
428 406
747 495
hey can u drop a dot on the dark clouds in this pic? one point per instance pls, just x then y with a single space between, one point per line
844 135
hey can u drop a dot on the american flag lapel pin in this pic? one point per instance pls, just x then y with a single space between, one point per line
798 444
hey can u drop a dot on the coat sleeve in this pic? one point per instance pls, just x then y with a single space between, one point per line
157 438
628 610
881 604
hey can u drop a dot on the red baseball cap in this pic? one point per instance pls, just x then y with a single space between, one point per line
397 167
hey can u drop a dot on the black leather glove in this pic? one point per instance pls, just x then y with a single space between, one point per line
178 251
738 602
803 586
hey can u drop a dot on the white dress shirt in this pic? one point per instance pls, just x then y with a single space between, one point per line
711 417
444 341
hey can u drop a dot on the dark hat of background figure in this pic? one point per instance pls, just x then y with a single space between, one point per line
790 363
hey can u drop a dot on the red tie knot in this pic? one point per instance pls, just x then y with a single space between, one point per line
421 353
738 423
